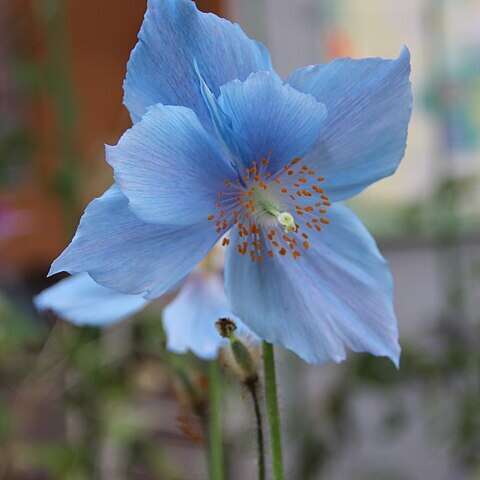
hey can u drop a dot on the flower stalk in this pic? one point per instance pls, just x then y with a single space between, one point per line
273 415
241 358
259 428
215 447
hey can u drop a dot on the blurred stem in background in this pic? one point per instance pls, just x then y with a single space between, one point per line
81 407
215 446
68 179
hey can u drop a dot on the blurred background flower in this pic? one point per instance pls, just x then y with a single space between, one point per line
77 403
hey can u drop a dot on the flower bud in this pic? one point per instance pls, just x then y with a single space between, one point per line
239 356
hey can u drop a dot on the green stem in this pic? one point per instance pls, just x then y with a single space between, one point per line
273 414
215 450
258 416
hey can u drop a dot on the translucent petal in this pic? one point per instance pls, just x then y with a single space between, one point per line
369 104
337 294
169 168
189 320
173 34
81 301
275 121
122 252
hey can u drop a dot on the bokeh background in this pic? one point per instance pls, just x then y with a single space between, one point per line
82 404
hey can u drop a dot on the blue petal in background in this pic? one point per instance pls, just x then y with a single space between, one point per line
81 301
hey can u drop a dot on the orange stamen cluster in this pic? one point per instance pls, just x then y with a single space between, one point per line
246 205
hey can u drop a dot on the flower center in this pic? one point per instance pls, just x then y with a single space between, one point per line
258 205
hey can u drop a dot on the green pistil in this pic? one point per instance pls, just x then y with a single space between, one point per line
284 218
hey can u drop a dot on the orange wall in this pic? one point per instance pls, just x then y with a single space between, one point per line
100 36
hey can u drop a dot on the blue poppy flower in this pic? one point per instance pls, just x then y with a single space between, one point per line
222 147
189 319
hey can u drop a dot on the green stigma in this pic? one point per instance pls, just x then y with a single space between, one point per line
284 218
287 221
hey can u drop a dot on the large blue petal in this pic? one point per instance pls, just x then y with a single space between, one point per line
337 294
275 121
169 168
173 34
121 252
82 301
369 104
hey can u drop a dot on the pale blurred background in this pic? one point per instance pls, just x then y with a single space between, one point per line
82 404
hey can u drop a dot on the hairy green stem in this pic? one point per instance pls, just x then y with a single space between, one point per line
215 447
260 443
273 415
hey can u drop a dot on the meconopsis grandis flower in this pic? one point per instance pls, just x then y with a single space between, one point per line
189 319
222 147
